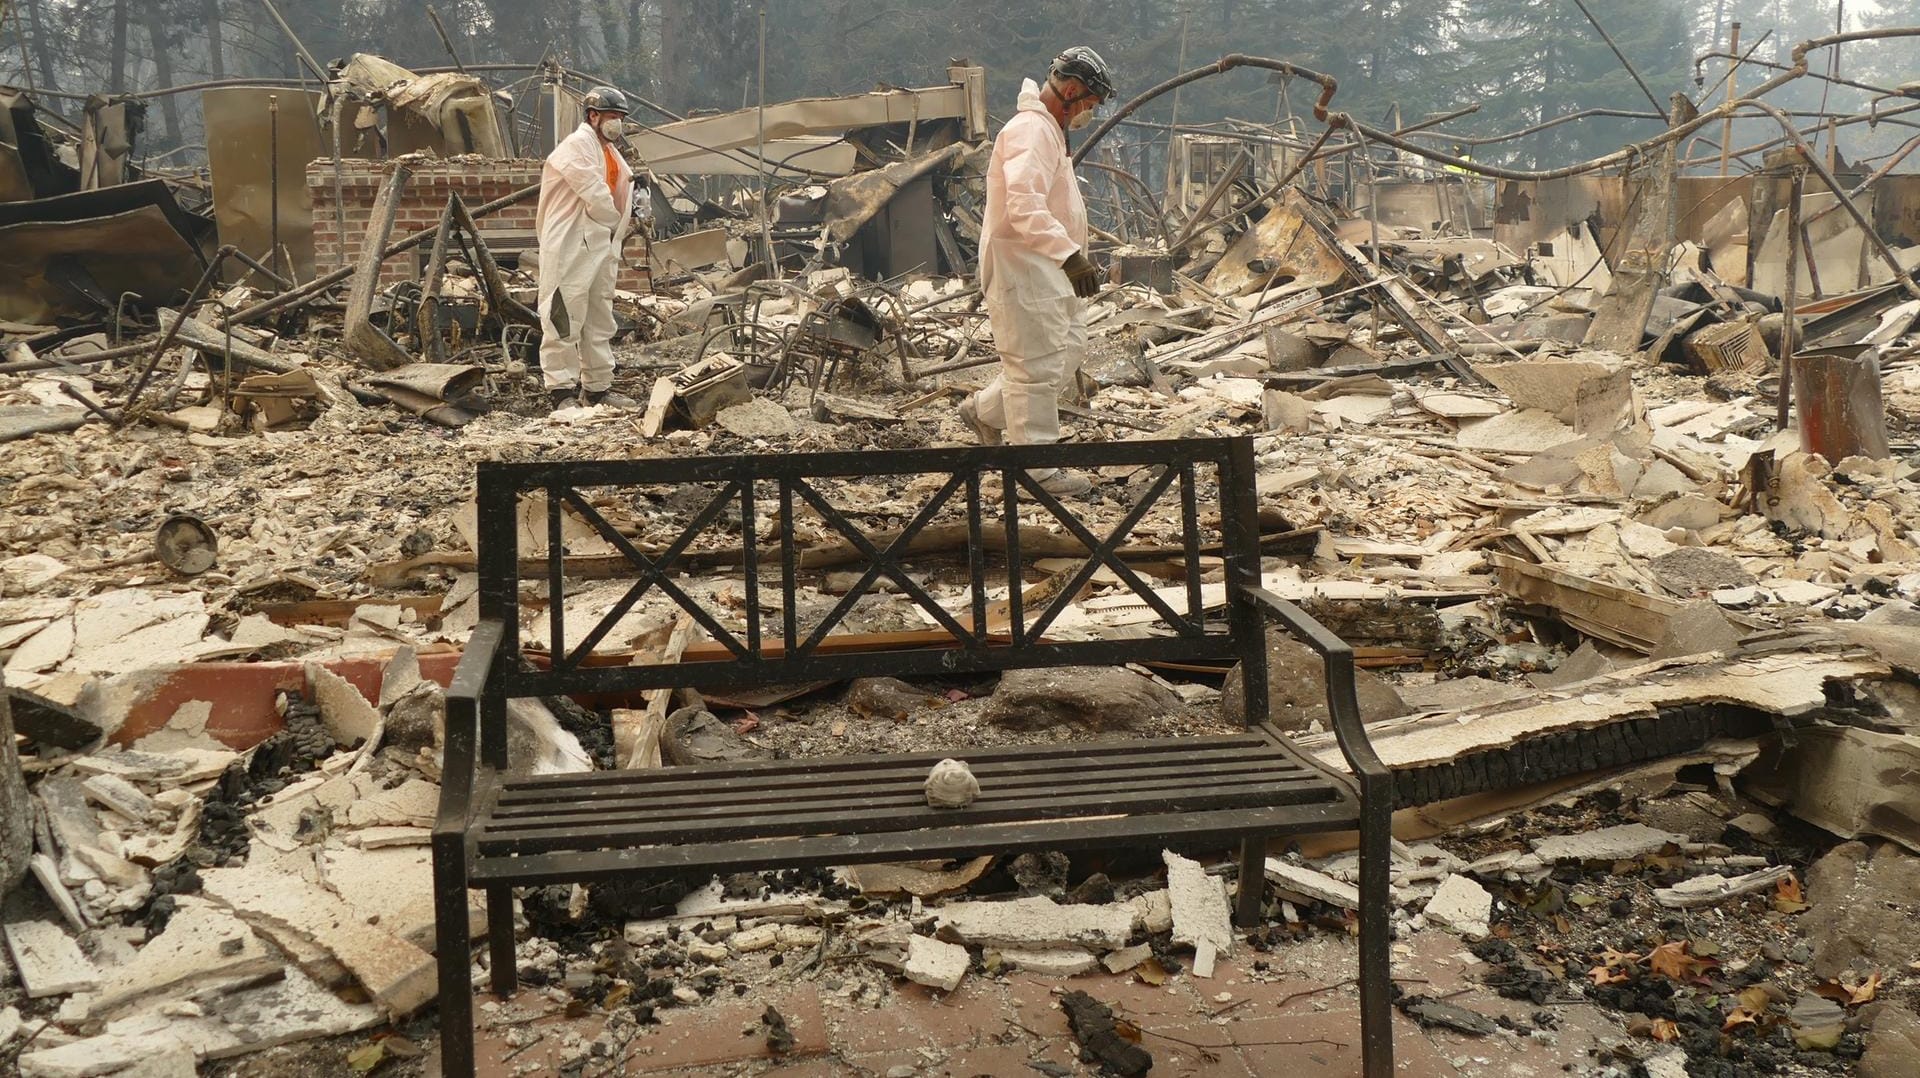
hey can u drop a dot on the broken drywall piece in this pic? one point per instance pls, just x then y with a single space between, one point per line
48 960
918 880
397 974
1523 432
400 677
1461 905
353 722
1619 843
201 942
1592 392
293 1008
1044 961
1714 888
1127 958
1199 901
1302 883
1036 922
936 964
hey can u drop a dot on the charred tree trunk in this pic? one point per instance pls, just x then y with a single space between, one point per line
214 59
117 57
40 51
163 71
16 811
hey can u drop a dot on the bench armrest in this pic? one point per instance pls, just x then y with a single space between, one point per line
462 746
1343 703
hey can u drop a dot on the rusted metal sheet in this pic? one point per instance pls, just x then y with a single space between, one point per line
241 143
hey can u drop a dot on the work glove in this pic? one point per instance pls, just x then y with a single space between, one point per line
1082 274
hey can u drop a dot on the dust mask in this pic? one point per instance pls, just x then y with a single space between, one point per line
1081 120
610 128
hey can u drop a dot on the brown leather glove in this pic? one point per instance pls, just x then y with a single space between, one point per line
1082 274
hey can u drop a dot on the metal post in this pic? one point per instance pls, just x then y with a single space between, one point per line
1624 62
273 182
1787 328
305 56
760 153
1733 77
1173 124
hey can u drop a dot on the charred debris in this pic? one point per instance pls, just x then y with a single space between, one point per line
1568 456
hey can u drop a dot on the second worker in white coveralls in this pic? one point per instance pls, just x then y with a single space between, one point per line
1034 268
586 193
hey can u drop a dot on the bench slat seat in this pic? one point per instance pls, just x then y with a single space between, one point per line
866 795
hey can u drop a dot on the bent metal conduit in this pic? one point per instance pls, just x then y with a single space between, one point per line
1623 156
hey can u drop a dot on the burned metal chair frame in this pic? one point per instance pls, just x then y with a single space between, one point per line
496 832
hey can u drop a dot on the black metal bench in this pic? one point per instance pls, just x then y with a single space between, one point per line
495 832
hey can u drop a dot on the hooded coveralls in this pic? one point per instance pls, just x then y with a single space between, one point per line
1034 219
584 192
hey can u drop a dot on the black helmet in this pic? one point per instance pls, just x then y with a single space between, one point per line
606 99
1080 62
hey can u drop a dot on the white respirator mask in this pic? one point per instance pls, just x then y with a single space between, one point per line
611 128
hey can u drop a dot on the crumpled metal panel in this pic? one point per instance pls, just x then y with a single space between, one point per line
29 167
132 238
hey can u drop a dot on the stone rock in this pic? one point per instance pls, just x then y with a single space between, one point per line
1691 572
887 698
951 785
1865 908
1089 697
1893 1042
1461 905
1297 689
695 736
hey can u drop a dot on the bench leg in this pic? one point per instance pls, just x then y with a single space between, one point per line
453 954
506 970
1376 932
1253 881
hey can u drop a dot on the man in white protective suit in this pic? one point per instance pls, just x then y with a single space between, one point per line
586 190
1034 268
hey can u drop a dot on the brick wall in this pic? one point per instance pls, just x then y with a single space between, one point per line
477 182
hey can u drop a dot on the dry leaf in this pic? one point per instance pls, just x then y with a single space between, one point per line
1603 975
1738 1017
1788 897
1665 1030
1611 957
1861 992
1756 999
1672 961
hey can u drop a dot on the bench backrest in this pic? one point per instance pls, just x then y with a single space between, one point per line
753 496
